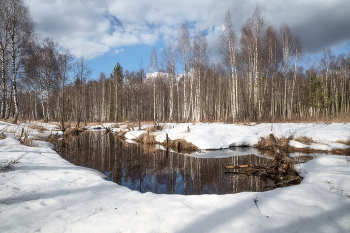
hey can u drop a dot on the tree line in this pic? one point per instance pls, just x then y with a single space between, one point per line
263 76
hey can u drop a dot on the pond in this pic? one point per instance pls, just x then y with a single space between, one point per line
160 171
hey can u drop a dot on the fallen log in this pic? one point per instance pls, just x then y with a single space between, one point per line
238 166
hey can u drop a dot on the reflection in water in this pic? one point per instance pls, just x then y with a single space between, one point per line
160 171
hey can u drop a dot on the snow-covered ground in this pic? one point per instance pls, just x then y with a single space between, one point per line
45 193
30 128
220 135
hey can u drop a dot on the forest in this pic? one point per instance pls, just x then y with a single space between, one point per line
264 76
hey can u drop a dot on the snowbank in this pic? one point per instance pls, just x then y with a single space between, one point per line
31 128
48 194
220 135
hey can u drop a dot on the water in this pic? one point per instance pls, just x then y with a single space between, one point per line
160 171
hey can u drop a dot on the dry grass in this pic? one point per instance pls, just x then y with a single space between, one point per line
341 118
73 132
2 135
345 152
151 129
344 142
268 144
155 127
7 165
27 141
8 120
121 135
246 122
304 140
115 125
146 138
307 150
53 138
40 128
181 145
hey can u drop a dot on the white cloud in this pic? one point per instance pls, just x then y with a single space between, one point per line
118 51
94 27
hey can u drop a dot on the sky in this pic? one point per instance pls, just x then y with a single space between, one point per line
126 31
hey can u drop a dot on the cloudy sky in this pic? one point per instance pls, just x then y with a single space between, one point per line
126 31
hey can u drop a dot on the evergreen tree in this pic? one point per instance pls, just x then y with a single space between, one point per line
316 98
117 77
117 74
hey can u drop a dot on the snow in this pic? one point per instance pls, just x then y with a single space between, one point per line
316 146
45 193
220 135
225 153
151 76
29 128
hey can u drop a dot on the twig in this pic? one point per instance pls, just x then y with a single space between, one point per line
96 211
256 203
107 130
11 196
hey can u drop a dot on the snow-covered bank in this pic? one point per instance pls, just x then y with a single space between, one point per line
48 194
220 135
30 128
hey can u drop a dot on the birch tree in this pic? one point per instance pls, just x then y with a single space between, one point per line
273 46
82 73
21 28
64 67
154 67
4 42
184 50
288 43
169 64
228 49
200 62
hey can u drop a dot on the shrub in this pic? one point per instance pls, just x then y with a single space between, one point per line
181 145
146 138
2 135
268 144
7 165
72 132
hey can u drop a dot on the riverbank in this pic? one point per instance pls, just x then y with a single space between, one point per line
320 136
45 193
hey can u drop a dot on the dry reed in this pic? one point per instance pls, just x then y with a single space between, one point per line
2 135
40 128
304 140
180 145
146 138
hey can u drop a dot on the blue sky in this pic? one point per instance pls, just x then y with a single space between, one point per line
126 31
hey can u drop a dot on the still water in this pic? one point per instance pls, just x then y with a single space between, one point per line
160 171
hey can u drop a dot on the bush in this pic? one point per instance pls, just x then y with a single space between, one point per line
268 144
181 145
2 135
146 138
7 165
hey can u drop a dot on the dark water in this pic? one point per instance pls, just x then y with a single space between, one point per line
159 171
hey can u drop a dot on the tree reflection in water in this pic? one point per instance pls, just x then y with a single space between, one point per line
159 171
